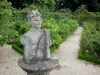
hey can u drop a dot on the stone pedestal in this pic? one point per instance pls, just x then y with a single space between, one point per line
40 67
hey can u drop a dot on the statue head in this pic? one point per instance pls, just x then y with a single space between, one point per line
34 18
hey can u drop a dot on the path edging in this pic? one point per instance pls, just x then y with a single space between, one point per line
88 58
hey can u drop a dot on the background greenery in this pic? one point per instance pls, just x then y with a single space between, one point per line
57 17
91 5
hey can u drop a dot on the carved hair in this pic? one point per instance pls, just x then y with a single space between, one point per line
33 14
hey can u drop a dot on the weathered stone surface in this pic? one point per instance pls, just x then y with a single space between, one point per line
36 41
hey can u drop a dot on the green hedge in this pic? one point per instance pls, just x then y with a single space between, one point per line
17 48
88 58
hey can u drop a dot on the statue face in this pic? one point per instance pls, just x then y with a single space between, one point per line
34 20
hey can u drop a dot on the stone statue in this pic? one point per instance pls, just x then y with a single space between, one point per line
36 41
37 59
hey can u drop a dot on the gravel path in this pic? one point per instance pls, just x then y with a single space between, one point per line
70 64
67 54
8 61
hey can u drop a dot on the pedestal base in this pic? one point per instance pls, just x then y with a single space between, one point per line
39 68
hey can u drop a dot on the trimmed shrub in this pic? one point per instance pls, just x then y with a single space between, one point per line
88 58
17 48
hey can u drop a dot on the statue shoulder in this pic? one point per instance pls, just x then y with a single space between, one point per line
23 38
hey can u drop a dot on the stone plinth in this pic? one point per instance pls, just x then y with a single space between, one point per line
40 67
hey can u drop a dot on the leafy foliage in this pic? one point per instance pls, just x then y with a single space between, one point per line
6 33
59 28
91 39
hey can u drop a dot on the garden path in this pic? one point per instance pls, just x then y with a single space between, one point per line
8 61
70 64
67 53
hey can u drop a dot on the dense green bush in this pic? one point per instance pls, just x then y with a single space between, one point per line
91 39
6 31
59 28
